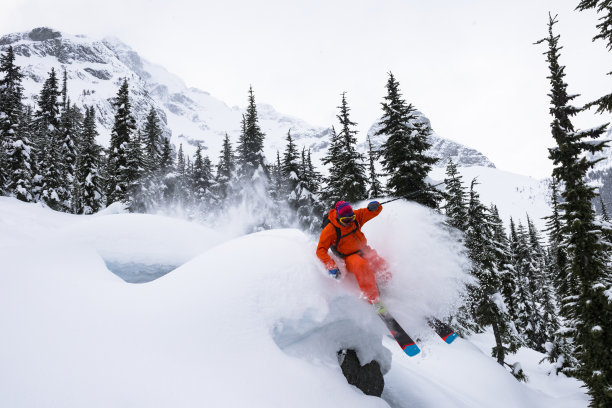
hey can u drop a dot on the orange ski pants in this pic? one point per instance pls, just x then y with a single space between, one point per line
366 267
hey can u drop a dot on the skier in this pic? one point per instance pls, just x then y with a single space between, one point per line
342 233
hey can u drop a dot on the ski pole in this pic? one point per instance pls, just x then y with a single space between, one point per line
412 194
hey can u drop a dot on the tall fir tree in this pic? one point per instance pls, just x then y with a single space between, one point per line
250 144
404 152
152 135
347 180
488 303
71 121
202 179
52 184
88 179
123 128
587 309
456 206
16 149
226 167
290 171
136 194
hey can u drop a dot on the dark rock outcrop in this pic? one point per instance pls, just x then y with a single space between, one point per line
44 33
368 378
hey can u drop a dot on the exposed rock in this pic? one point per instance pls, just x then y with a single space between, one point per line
368 378
98 73
44 33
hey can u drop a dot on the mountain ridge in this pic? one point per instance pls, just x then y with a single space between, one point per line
95 69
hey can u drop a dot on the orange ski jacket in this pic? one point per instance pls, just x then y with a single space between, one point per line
348 244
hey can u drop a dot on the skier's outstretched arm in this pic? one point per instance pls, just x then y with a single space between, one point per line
364 215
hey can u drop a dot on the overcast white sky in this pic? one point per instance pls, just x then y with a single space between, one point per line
470 66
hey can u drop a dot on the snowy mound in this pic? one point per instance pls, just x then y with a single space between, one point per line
252 321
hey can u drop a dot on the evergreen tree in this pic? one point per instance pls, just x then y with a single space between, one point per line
16 150
333 183
88 178
488 303
290 171
375 189
523 267
71 122
455 207
347 180
123 128
202 179
250 145
404 153
588 310
547 319
52 183
225 169
504 265
152 141
133 175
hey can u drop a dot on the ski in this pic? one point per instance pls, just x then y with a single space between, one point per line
443 330
399 334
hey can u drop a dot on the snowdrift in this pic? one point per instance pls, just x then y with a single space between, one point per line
252 321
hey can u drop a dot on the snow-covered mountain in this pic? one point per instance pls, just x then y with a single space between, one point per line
95 69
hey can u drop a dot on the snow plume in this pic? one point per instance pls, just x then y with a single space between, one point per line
426 259
250 208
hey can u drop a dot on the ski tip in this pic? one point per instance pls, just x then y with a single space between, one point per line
451 337
412 349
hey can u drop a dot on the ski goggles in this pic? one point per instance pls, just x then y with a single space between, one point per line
347 220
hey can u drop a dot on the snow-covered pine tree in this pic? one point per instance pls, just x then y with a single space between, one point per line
547 315
277 192
123 128
588 308
88 179
331 188
486 298
250 144
202 180
559 350
16 150
51 181
375 188
456 206
290 171
347 180
167 173
311 208
523 267
504 265
136 193
225 170
71 121
152 136
182 191
404 152
153 185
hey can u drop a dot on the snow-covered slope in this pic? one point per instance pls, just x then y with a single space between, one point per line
250 321
95 69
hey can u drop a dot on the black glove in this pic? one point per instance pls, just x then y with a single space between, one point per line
373 206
